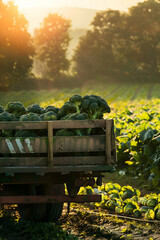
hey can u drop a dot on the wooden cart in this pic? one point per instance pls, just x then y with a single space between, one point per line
33 170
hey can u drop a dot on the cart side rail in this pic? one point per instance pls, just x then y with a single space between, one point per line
59 151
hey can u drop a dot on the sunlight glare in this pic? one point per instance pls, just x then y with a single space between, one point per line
22 4
25 3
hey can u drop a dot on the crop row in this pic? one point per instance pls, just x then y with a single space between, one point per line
126 200
112 93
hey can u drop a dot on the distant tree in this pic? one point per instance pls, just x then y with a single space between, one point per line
51 41
15 46
144 39
96 53
122 45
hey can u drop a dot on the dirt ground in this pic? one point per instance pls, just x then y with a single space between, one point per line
89 224
83 222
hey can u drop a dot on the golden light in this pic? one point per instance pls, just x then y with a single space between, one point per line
25 3
22 4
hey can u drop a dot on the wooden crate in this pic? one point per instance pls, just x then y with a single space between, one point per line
53 153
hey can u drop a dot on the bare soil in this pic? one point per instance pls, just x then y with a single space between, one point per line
89 224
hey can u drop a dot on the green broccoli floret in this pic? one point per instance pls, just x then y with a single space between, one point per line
65 132
93 109
94 106
5 116
82 116
85 103
77 100
30 117
43 110
103 107
75 116
66 109
52 108
35 108
1 109
48 116
16 108
68 116
79 116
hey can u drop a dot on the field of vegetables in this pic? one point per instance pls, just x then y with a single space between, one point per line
136 112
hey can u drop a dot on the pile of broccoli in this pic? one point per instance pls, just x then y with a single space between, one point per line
77 108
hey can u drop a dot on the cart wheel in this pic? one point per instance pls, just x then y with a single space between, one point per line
53 210
32 212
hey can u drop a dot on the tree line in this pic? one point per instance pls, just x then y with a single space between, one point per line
120 46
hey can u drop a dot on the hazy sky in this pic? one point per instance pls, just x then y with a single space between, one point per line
96 4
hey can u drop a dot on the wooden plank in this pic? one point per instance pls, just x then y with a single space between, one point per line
56 169
58 161
50 143
108 140
60 144
57 124
19 161
30 178
89 160
114 148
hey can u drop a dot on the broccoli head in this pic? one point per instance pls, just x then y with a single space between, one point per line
1 109
5 116
16 108
77 100
30 117
66 109
52 108
94 106
48 116
35 108
85 104
79 116
76 116
67 117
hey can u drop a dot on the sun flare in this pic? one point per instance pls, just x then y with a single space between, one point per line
24 4
95 4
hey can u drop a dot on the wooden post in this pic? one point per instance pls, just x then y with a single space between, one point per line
114 148
108 141
50 143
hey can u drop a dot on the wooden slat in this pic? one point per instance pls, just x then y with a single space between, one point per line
60 144
89 160
31 161
108 140
57 124
50 143
113 143
58 161
56 169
